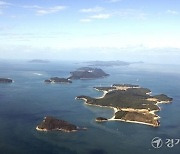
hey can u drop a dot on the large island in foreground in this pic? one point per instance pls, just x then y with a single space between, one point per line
131 103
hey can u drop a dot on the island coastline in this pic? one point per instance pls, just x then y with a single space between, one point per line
130 110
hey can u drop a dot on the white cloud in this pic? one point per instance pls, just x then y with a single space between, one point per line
172 12
50 10
113 1
131 13
92 10
3 3
32 6
100 16
85 20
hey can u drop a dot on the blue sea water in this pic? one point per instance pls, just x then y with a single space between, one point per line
25 102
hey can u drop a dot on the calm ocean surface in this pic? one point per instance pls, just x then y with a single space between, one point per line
24 103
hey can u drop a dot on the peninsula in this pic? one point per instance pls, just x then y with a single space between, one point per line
88 73
58 80
131 103
5 80
50 123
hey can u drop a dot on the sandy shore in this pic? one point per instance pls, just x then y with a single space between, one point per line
104 94
116 110
138 122
42 130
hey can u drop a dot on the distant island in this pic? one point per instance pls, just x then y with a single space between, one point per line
5 80
88 73
131 103
38 61
58 80
101 119
50 123
109 63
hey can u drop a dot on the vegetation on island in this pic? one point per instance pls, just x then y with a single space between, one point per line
51 123
163 97
147 118
133 103
58 80
135 98
88 73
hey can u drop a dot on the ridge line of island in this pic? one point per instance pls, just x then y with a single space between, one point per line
130 103
80 73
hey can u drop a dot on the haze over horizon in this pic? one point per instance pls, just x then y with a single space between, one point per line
129 30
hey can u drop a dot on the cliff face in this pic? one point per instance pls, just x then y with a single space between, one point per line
87 73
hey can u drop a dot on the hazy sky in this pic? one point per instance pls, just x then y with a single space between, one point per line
92 29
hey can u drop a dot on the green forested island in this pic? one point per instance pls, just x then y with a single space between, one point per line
131 103
58 80
88 73
51 123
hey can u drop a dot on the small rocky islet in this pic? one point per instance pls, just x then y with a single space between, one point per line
50 123
5 80
57 80
101 119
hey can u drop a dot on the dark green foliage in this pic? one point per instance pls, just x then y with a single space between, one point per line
87 73
163 97
131 98
120 114
50 123
58 80
137 116
135 98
